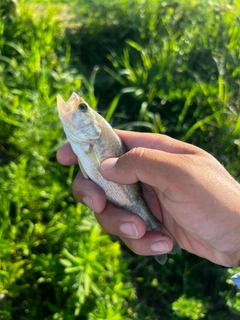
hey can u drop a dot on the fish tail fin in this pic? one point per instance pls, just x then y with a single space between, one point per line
161 258
175 249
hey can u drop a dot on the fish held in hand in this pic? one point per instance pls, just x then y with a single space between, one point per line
93 140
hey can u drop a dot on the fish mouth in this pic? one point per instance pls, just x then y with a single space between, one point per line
65 109
60 103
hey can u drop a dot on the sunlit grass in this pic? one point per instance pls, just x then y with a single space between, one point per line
158 66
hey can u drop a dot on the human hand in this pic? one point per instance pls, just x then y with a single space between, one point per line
191 194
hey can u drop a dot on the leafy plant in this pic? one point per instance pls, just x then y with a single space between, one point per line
189 308
148 65
42 231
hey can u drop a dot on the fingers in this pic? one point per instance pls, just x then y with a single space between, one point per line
128 226
156 168
152 243
66 156
88 193
132 230
121 223
156 141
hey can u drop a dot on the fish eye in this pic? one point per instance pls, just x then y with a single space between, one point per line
83 107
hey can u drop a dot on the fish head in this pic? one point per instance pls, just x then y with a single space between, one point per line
78 119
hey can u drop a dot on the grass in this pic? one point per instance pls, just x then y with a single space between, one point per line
152 66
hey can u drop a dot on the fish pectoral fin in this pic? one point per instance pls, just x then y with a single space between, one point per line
93 157
82 170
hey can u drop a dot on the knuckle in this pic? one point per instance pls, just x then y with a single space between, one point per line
136 153
136 249
76 184
134 245
131 159
79 185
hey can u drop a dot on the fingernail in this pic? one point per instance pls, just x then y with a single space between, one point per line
108 164
88 202
160 246
129 229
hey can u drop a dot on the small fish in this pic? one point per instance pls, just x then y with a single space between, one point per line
94 140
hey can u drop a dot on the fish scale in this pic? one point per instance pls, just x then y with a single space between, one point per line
93 140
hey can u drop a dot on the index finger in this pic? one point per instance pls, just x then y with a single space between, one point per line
66 156
156 141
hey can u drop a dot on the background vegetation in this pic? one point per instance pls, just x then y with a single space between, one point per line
160 66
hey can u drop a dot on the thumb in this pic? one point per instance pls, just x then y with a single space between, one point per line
154 167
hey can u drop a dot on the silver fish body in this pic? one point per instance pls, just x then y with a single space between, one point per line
93 140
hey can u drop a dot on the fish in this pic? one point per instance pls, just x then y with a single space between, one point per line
93 140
